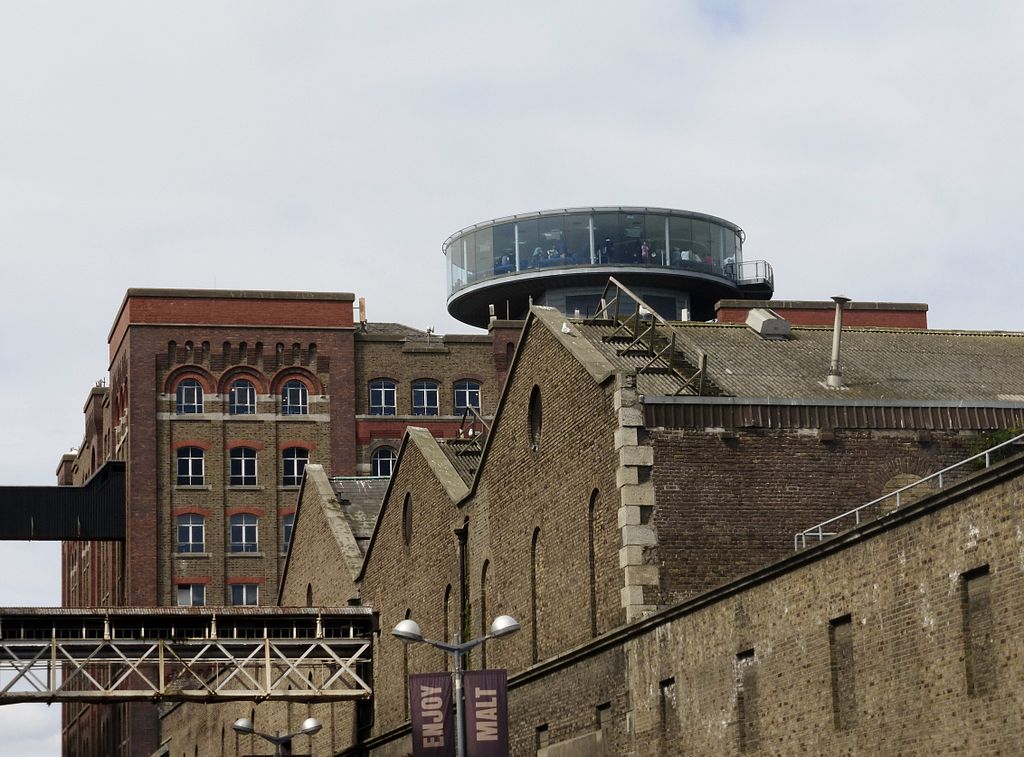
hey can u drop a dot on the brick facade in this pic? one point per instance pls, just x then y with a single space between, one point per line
162 337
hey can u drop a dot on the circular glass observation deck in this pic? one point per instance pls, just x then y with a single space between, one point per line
564 258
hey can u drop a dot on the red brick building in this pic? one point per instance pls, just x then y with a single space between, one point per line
217 400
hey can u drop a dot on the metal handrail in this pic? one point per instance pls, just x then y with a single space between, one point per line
819 532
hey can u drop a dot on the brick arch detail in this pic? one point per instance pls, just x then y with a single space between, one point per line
257 512
248 443
190 371
231 375
289 443
296 373
191 510
470 377
205 446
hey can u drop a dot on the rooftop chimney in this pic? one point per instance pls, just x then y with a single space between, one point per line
362 314
835 374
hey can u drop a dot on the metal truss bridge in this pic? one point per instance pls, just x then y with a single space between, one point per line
177 654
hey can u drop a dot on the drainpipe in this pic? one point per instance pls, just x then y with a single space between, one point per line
835 375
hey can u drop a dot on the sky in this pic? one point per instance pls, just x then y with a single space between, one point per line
871 149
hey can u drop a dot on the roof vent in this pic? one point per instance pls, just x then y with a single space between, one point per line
768 324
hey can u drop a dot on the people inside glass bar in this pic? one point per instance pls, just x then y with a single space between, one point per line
581 240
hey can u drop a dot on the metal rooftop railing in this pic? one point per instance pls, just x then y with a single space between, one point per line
834 526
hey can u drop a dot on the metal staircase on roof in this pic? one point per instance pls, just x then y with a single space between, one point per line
640 333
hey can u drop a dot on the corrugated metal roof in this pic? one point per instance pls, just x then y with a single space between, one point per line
464 456
361 498
877 364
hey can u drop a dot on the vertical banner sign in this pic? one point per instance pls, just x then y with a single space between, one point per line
433 727
486 713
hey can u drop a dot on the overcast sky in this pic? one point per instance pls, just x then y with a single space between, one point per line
872 149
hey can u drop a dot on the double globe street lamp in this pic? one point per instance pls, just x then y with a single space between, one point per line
409 632
282 744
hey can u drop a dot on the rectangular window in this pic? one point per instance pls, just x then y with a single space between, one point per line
287 524
382 397
191 533
467 395
243 467
295 460
190 466
245 594
244 536
667 702
746 701
979 652
424 398
191 595
840 648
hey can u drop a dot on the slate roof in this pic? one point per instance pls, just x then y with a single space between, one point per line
877 364
360 498
391 329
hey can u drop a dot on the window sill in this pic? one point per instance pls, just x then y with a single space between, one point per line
189 555
245 554
246 488
288 488
193 487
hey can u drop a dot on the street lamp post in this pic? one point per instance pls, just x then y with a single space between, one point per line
409 632
309 727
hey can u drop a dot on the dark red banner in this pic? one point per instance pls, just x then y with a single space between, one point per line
433 725
486 694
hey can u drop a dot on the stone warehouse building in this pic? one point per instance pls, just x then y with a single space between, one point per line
634 503
216 402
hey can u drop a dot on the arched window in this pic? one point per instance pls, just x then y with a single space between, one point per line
191 534
467 394
295 460
189 397
536 418
382 397
382 461
243 466
242 398
294 398
309 595
407 520
190 466
287 525
244 533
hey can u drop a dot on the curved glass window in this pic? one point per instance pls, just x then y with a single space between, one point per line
382 461
242 398
188 397
294 398
614 236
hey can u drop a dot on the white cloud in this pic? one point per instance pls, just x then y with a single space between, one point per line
870 148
